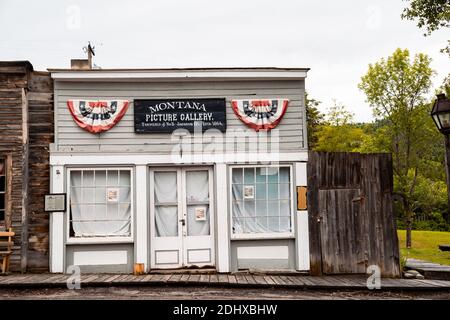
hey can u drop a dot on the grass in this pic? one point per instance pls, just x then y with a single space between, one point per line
425 246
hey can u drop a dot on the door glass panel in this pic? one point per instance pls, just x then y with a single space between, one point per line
166 221
198 220
197 200
166 207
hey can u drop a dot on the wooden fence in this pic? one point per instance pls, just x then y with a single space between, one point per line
351 219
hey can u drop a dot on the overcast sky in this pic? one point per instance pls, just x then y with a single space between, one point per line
336 39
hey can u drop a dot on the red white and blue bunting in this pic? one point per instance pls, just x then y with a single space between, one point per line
260 114
97 115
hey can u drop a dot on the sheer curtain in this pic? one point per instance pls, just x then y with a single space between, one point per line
166 204
261 200
100 202
197 199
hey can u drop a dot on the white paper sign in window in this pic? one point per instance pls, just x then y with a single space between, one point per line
112 195
200 214
249 192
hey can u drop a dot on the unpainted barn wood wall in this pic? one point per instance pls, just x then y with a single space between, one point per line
26 129
41 131
351 219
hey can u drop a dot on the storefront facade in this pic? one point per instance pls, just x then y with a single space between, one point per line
179 168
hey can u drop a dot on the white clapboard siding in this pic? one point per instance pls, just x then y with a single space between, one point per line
289 135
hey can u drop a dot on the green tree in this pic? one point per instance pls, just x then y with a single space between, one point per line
313 118
337 133
396 89
430 14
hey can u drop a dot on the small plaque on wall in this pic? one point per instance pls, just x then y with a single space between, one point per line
55 202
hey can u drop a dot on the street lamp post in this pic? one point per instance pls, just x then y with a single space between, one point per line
441 116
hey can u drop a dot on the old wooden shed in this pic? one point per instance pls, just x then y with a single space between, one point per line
26 130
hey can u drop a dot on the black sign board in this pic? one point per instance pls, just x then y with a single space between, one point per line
167 115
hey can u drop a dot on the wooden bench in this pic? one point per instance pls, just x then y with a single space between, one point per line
6 244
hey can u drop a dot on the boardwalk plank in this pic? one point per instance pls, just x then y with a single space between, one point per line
296 280
241 279
56 279
213 279
204 278
184 278
250 279
175 278
260 280
232 279
269 280
194 278
111 278
119 279
277 280
147 278
222 278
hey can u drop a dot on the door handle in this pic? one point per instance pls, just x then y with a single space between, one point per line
183 221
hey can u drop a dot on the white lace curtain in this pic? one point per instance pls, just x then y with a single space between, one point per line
100 203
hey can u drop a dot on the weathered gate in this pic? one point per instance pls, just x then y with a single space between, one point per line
351 219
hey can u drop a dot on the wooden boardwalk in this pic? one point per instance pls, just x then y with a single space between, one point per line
221 280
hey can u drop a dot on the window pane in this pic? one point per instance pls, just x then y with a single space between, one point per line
2 215
285 224
274 224
100 212
249 206
249 175
261 174
262 223
261 208
285 208
2 183
165 187
237 192
124 178
2 167
238 225
112 211
273 208
100 194
284 175
75 178
88 195
237 175
2 201
272 175
197 186
125 194
198 220
100 178
166 221
261 191
88 178
272 191
113 178
284 191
